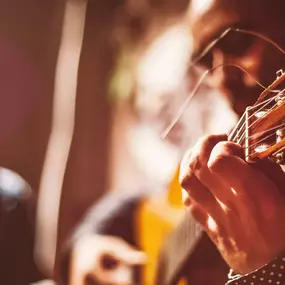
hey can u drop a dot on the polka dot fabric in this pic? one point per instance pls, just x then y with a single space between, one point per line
271 274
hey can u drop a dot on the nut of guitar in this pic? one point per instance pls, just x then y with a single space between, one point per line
261 130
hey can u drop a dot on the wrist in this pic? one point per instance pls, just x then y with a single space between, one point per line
247 262
271 273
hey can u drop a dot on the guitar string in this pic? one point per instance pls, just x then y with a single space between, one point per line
237 125
256 121
215 41
186 103
225 33
252 115
184 106
236 128
259 152
194 230
230 137
262 133
203 53
265 103
267 111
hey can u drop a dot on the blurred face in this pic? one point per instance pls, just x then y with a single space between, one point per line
210 18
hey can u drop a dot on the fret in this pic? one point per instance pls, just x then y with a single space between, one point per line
261 129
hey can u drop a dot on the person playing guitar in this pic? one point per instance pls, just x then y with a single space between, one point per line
240 204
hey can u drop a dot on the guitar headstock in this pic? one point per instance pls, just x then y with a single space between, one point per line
261 130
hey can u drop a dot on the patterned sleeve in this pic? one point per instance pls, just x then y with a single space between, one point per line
271 274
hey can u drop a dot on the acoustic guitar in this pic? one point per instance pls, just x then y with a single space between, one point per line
156 218
260 131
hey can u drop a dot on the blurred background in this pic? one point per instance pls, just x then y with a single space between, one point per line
86 90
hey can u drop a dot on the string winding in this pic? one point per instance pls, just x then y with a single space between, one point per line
199 84
225 33
256 121
206 73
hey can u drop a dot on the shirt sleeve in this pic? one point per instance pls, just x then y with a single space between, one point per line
271 274
112 215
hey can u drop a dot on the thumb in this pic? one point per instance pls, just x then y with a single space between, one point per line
130 256
136 257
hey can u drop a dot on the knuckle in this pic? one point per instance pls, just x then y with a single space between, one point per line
195 164
228 148
198 156
186 180
219 162
222 153
222 147
207 145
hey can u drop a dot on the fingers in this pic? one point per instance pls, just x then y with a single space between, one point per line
221 153
129 256
119 264
254 191
199 214
195 159
121 275
202 150
204 186
236 203
207 145
199 193
198 156
207 222
199 182
226 162
107 259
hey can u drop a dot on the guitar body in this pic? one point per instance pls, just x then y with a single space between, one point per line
156 219
161 227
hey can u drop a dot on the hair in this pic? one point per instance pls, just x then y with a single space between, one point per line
262 16
267 14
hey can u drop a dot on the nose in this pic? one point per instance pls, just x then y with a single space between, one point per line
230 75
226 77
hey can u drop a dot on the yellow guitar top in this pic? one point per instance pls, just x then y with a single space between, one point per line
156 218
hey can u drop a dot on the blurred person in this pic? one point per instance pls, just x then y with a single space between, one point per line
105 247
247 225
208 20
259 58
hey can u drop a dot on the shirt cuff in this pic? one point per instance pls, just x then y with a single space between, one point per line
271 274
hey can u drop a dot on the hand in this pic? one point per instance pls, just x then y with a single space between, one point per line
241 206
104 259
